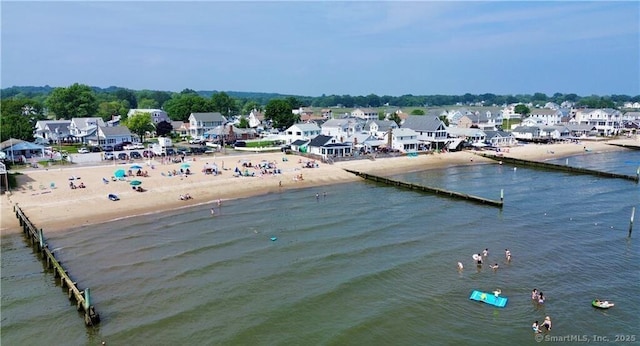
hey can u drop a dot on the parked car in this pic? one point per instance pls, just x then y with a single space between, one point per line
95 149
122 156
118 147
83 150
107 148
109 155
171 152
196 141
198 150
135 155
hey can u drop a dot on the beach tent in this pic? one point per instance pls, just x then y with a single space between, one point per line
120 173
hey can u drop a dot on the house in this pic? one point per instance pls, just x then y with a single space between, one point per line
84 129
17 150
180 128
157 115
377 128
229 134
51 130
581 130
363 142
607 121
487 119
500 138
431 131
340 128
200 123
328 147
365 113
470 135
547 116
301 131
111 135
255 118
404 140
526 133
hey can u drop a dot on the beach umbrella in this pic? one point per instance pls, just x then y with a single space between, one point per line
185 165
136 166
119 173
135 182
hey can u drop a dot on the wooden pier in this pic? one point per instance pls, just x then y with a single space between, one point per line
433 190
564 168
82 297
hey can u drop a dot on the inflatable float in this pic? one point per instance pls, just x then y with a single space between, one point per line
601 304
489 298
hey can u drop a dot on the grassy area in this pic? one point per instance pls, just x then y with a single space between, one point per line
263 144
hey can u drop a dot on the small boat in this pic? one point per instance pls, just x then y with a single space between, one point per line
114 197
601 304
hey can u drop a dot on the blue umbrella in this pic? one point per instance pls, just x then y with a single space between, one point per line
185 165
135 182
136 166
119 173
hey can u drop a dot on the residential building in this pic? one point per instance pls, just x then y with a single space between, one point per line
328 147
84 129
200 123
47 131
341 128
430 130
404 140
547 116
378 128
365 113
607 121
301 131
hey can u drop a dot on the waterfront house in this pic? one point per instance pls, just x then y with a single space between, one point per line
84 129
200 123
340 128
110 135
500 138
301 131
47 131
403 139
157 115
378 128
430 131
607 121
546 116
328 147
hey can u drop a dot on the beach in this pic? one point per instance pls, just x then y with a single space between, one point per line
45 196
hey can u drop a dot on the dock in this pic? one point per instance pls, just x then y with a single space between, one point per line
432 190
564 168
82 298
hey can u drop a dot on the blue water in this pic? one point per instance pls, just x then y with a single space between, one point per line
367 264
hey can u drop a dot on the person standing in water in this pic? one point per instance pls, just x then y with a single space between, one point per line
507 254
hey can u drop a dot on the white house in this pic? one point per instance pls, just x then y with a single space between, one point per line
51 130
403 139
111 135
340 128
547 116
378 128
328 147
200 123
607 121
84 129
430 130
301 131
365 113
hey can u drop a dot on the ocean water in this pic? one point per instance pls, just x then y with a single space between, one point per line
361 264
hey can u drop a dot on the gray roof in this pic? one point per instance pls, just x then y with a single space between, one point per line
211 116
422 123
115 130
320 140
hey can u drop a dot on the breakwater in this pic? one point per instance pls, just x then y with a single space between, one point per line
35 236
564 168
433 190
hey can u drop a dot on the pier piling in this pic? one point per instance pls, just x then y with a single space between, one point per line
633 213
433 190
36 237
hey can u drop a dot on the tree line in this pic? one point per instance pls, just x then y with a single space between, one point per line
21 107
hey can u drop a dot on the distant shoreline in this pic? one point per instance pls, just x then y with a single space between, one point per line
63 208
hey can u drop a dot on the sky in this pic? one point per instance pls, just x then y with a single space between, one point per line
309 48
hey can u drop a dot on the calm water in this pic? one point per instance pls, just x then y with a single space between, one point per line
364 265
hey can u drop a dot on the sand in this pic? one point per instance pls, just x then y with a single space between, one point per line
62 208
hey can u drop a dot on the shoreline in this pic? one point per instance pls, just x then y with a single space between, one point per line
62 208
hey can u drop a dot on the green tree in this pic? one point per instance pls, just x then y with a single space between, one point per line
221 102
280 112
16 126
417 112
148 104
249 106
182 105
444 119
128 95
522 110
395 117
106 110
294 102
76 101
139 123
244 123
163 128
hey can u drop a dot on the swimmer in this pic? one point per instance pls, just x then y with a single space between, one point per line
541 298
547 323
534 294
497 292
507 255
213 212
494 266
479 259
535 327
460 266
485 253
